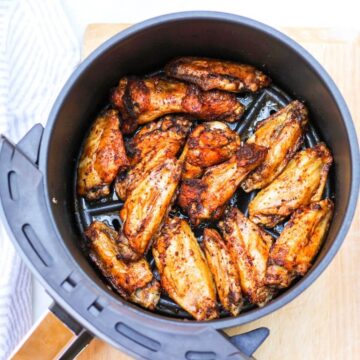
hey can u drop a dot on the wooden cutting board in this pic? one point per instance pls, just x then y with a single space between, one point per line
323 322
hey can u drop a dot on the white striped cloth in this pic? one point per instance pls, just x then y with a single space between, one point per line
38 52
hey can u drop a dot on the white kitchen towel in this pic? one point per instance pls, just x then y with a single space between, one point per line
38 52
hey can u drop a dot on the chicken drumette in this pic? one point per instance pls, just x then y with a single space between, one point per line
206 198
209 144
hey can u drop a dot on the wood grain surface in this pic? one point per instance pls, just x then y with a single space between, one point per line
45 341
323 322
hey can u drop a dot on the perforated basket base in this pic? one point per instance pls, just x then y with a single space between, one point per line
258 107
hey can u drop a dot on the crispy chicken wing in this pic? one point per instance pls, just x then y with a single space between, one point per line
126 182
205 198
209 144
143 100
217 74
151 146
298 244
133 281
282 133
302 182
146 207
184 273
102 157
249 247
224 271
169 132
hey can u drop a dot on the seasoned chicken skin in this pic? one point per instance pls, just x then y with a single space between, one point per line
249 247
168 133
209 144
183 270
102 157
146 207
224 271
133 281
152 145
298 244
206 198
282 133
302 182
143 100
217 74
126 182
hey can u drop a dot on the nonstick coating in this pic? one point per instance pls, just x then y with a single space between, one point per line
148 46
257 107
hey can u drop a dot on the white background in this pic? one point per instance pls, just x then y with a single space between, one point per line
340 14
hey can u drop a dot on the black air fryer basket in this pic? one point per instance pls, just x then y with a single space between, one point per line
46 218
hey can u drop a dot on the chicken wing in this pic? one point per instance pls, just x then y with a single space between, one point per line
302 182
184 273
224 271
282 133
143 100
152 145
249 247
146 207
133 281
206 198
209 144
102 157
169 132
298 244
217 74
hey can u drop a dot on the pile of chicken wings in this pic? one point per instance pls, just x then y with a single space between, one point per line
180 152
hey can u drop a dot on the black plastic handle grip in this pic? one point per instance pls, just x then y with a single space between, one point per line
23 202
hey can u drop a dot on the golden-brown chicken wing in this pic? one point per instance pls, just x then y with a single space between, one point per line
134 281
209 144
282 133
205 198
302 182
224 271
217 74
127 181
298 244
151 146
143 100
184 273
102 157
146 207
249 247
169 132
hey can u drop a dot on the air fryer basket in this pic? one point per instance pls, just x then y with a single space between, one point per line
37 175
257 107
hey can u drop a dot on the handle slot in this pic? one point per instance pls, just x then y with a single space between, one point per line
13 186
199 355
37 245
137 337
